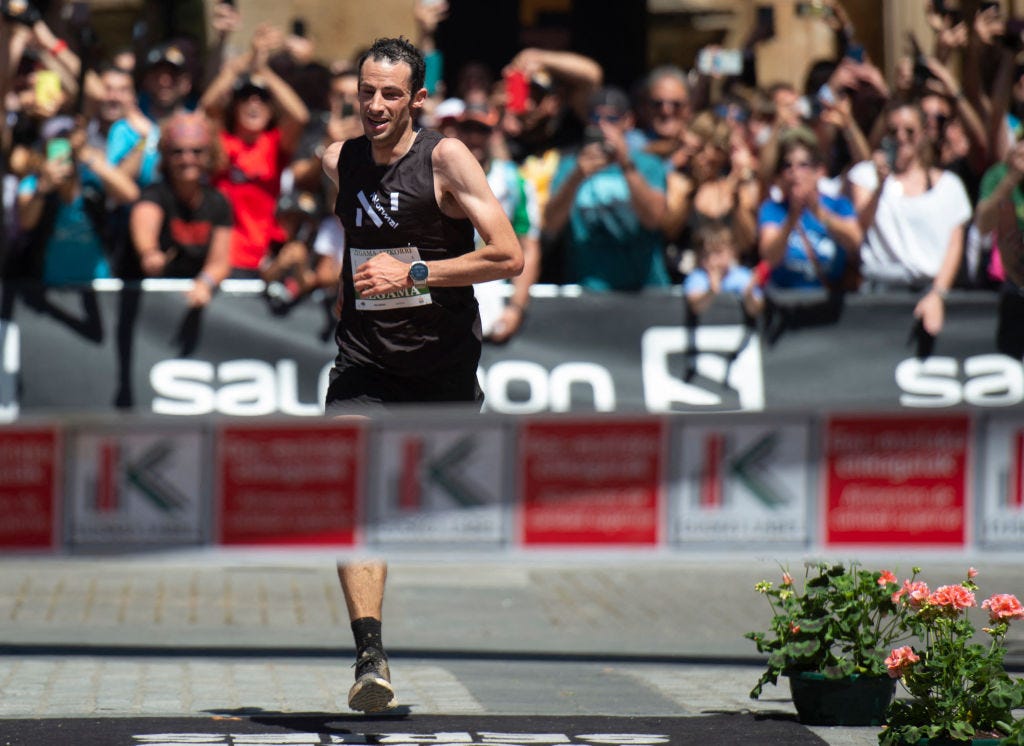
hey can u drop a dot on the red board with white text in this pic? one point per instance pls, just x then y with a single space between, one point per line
896 480
29 473
290 485
593 482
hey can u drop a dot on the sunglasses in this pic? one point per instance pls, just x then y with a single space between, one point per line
613 118
908 131
197 152
673 104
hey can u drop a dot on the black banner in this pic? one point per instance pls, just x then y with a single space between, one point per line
143 350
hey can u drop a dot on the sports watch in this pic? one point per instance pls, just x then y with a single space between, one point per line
418 273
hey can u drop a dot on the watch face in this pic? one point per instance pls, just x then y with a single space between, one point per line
418 272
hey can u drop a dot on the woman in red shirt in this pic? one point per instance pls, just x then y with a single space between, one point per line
263 121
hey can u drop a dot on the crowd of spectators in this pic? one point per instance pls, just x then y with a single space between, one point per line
708 178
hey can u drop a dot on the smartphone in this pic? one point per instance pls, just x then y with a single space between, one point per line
517 91
299 27
813 9
889 147
348 109
58 149
855 52
826 96
591 134
47 88
720 62
766 21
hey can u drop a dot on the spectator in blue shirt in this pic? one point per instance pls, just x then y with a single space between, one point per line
719 272
611 200
810 240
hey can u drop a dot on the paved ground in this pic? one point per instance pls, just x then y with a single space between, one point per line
218 632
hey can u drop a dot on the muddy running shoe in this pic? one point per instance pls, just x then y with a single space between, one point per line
372 691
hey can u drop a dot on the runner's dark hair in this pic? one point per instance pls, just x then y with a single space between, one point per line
396 50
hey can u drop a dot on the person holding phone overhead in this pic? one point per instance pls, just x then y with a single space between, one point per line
913 215
63 230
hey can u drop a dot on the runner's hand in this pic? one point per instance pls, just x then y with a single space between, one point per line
381 274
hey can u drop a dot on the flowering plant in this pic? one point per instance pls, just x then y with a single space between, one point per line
842 623
959 688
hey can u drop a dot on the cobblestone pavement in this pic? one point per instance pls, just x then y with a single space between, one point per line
236 634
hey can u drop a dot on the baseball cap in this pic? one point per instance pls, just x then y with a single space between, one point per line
169 54
610 97
249 85
450 108
480 114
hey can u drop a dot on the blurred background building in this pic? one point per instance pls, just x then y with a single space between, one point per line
626 36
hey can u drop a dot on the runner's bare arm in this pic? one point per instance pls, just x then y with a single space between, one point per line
462 190
330 161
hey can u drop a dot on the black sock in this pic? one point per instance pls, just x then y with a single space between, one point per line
366 632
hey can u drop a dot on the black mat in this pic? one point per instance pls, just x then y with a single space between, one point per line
403 728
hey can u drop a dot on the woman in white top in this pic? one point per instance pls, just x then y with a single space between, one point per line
913 216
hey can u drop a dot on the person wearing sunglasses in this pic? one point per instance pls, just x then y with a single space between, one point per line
664 113
181 226
808 239
913 214
611 200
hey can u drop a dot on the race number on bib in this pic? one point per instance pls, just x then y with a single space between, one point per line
403 298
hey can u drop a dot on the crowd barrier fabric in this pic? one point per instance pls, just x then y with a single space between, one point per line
144 351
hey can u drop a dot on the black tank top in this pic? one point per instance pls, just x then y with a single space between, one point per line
393 206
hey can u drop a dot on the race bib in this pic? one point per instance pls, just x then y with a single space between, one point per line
404 298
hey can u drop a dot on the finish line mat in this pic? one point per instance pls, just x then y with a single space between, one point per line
274 729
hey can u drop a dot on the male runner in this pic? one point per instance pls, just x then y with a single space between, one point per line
409 332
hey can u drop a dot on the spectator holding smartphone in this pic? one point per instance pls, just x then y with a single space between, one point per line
612 200
62 223
913 215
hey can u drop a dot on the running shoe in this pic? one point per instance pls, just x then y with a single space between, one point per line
372 691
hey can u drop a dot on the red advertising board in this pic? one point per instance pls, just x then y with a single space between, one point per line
29 473
896 480
591 482
289 485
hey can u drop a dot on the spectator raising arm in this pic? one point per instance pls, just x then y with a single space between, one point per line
292 111
987 215
581 75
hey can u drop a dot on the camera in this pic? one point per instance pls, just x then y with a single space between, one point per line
593 134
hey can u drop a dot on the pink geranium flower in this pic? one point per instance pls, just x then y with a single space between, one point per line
916 593
972 573
887 577
1003 607
952 597
900 659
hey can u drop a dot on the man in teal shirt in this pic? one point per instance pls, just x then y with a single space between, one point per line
612 201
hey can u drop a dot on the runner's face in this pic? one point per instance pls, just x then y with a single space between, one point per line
386 101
